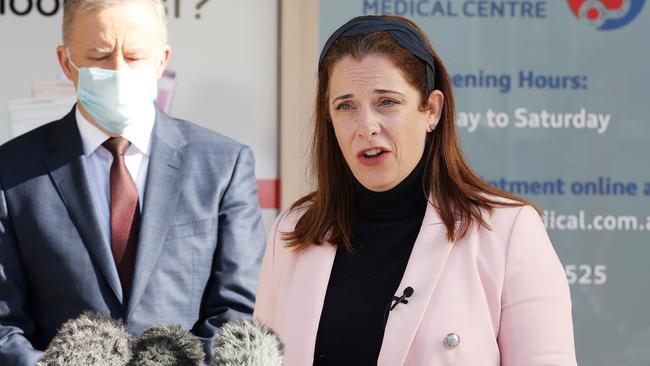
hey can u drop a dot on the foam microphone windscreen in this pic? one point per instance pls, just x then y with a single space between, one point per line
247 343
167 345
89 340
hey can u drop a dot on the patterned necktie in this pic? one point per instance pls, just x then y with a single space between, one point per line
125 213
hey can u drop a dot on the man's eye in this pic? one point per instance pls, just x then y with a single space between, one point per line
387 102
134 58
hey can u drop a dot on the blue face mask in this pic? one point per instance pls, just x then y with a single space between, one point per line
116 99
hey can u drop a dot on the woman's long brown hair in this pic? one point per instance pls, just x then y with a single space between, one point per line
456 192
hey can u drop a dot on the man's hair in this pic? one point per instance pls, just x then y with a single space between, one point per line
72 8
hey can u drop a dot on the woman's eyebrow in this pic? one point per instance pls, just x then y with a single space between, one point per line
344 96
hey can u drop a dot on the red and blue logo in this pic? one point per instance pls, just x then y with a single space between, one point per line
606 14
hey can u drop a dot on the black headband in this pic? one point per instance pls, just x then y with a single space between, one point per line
405 35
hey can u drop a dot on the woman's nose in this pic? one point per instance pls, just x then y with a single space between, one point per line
368 124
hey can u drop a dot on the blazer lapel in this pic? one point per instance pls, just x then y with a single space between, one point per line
427 261
67 169
160 198
311 276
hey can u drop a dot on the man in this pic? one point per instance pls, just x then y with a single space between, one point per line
118 208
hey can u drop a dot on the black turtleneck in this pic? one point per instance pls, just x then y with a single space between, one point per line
363 283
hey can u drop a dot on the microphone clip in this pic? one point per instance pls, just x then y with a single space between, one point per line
396 301
402 299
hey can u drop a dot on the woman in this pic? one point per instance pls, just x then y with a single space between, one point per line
402 255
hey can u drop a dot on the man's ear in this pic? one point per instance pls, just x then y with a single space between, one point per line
166 55
66 66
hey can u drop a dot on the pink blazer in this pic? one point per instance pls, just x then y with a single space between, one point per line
502 291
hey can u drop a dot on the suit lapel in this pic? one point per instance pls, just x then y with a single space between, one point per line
160 198
427 261
67 169
311 276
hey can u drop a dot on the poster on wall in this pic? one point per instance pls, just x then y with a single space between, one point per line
553 106
222 74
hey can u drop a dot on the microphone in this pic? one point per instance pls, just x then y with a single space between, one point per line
407 292
91 339
247 343
402 299
167 345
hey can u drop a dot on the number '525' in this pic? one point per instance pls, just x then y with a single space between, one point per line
585 274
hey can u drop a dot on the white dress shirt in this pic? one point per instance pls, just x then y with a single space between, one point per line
99 161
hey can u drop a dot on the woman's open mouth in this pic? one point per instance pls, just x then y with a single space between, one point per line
373 156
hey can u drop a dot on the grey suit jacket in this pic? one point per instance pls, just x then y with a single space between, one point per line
200 244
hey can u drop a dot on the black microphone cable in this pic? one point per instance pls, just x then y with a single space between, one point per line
407 292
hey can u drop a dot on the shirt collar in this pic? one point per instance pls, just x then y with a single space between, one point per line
138 134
